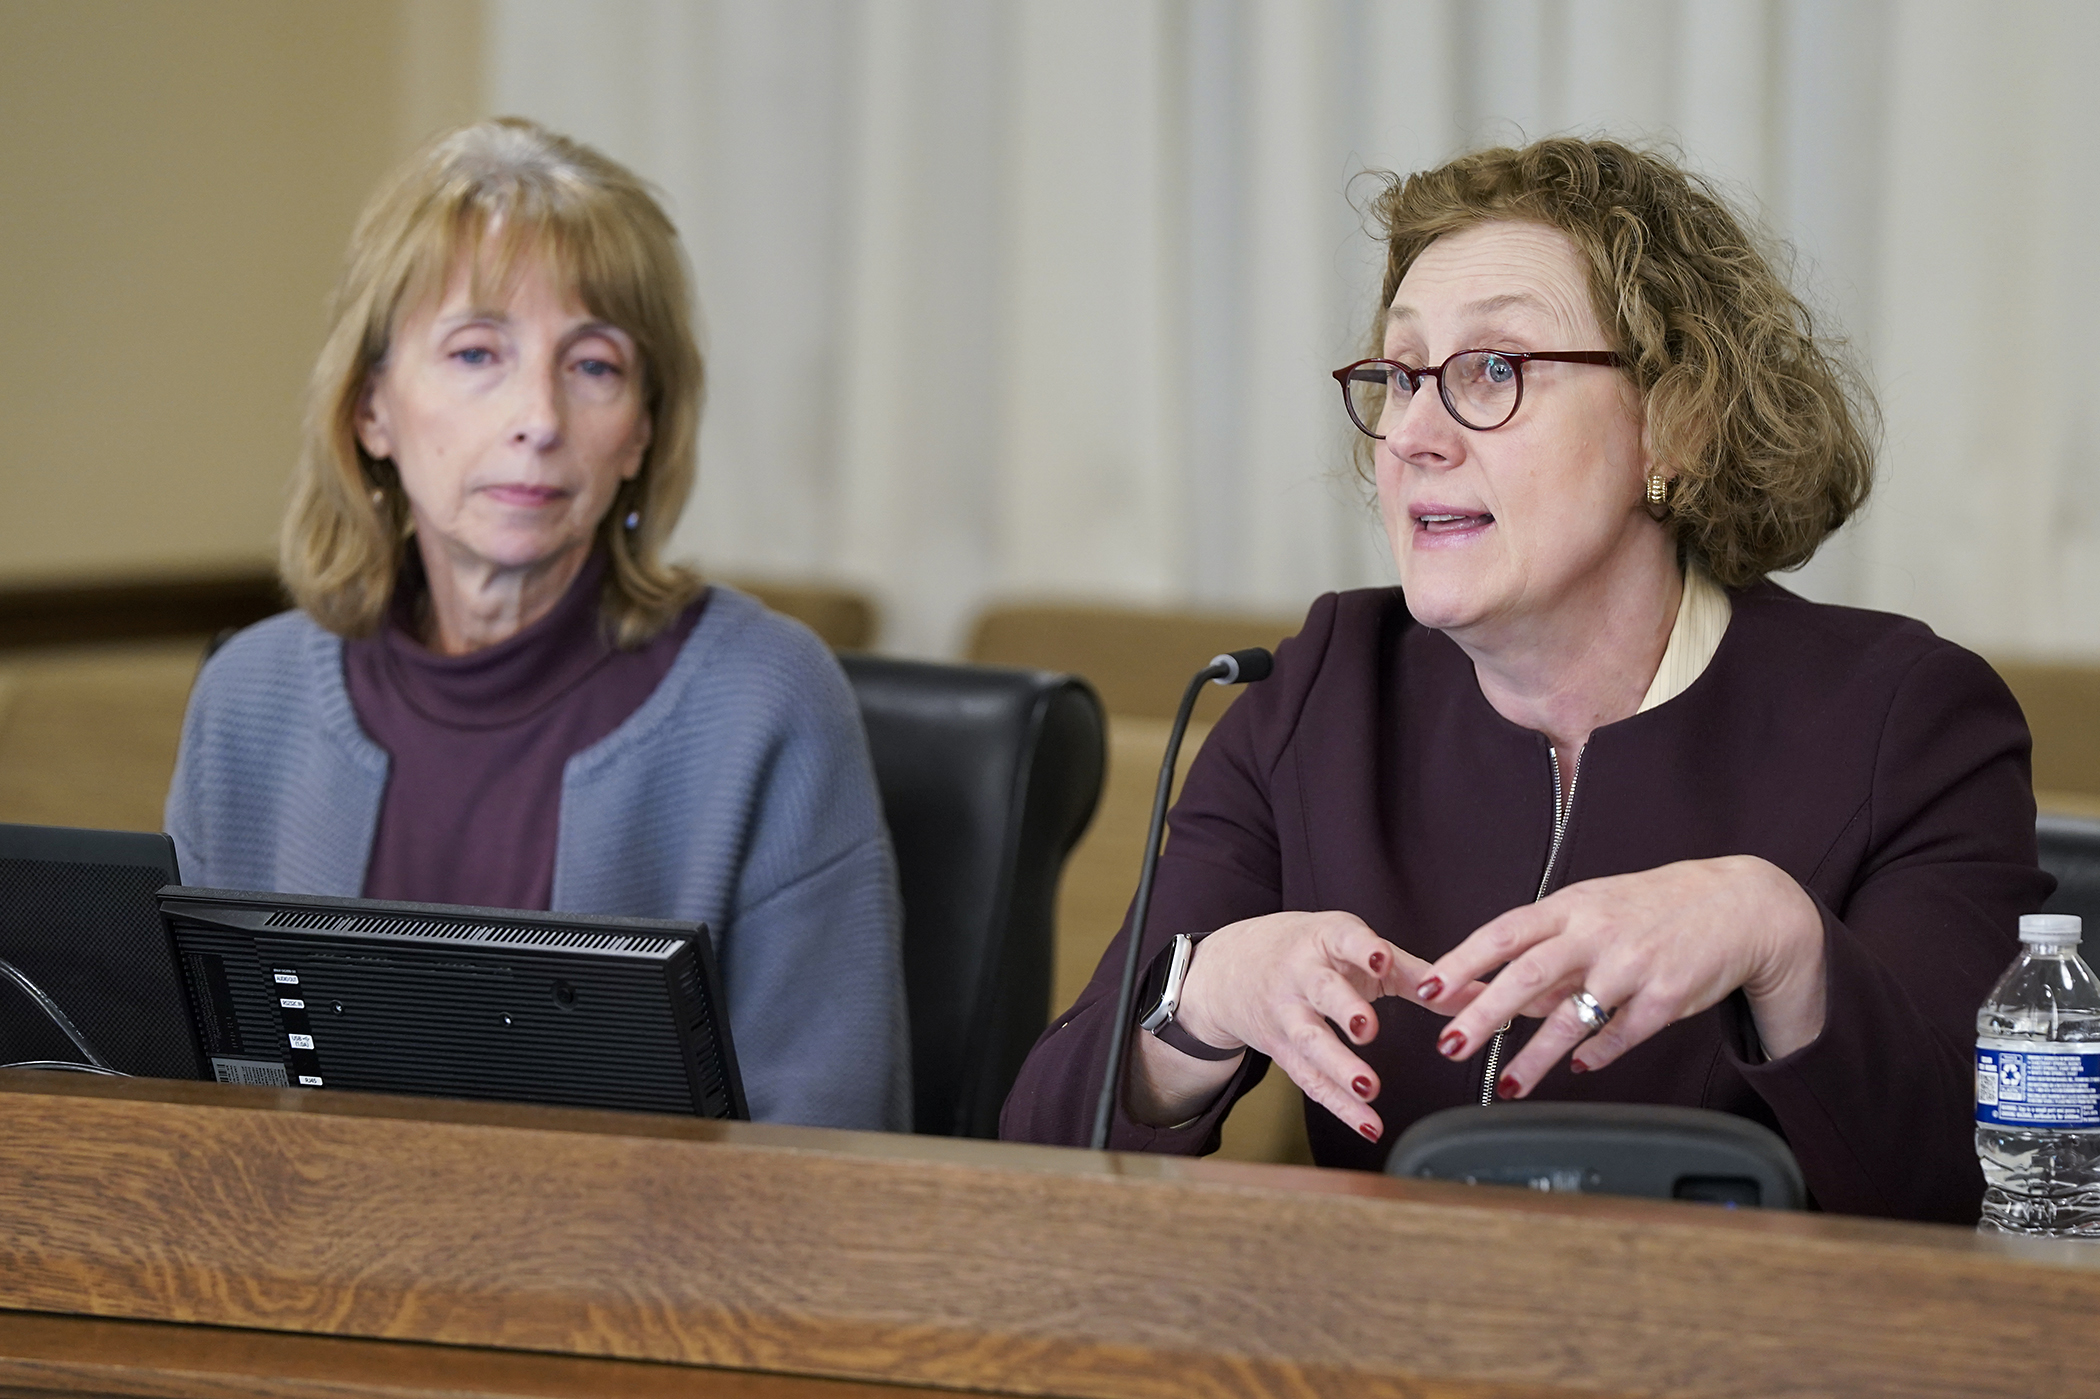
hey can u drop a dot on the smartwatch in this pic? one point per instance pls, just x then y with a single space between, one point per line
1159 1021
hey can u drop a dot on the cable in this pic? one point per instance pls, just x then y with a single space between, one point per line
58 1017
65 1064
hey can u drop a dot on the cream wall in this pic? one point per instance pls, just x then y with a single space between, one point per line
177 181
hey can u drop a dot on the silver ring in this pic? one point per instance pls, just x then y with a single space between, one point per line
1591 1012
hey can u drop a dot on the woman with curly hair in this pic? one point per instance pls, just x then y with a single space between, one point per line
1728 848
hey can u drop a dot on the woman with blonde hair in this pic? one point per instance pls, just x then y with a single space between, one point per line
1725 847
494 690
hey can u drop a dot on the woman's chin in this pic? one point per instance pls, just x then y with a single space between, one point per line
1440 601
516 550
1440 613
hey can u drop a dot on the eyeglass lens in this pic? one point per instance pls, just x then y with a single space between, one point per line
1480 388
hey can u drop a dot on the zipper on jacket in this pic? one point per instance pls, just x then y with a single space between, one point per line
1491 1062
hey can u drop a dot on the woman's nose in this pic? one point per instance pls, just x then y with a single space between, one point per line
1424 432
536 410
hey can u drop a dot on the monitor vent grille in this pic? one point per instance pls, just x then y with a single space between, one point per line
512 935
713 1086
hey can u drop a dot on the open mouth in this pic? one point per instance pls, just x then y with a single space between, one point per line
1451 524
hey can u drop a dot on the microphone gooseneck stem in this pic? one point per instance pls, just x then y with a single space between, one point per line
1119 1040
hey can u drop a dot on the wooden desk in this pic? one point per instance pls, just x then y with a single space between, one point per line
341 1245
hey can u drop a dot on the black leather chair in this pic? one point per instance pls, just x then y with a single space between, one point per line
988 777
2070 847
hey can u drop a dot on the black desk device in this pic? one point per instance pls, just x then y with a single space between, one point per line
86 971
455 1002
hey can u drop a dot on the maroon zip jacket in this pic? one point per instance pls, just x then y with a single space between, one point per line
1884 768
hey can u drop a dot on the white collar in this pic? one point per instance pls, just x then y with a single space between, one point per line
1702 617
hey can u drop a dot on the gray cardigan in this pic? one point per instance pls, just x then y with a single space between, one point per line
740 795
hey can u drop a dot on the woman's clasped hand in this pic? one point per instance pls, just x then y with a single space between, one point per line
1653 948
1282 984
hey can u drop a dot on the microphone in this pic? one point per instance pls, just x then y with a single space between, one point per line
1232 668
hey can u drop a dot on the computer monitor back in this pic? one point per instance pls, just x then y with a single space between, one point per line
79 919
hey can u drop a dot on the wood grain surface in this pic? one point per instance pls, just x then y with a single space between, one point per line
977 1266
45 1355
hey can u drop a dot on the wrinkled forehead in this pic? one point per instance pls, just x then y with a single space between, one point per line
1502 278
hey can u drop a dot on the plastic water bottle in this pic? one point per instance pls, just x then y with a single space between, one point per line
2038 1088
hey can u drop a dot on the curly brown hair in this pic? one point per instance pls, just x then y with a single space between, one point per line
1767 428
514 184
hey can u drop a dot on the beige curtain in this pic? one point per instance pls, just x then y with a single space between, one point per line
1039 296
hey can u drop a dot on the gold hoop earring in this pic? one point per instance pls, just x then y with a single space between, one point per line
1658 498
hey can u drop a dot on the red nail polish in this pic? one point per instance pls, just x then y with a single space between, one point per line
1363 1088
1431 989
1370 1132
1508 1087
1576 1066
1357 1026
1451 1045
1377 961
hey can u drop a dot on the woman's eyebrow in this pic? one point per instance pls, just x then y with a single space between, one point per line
496 315
604 330
1508 301
473 315
1486 306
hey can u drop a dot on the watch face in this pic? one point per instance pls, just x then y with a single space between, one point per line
1160 992
1179 952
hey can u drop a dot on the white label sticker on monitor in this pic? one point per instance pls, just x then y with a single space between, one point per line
302 1041
285 978
309 1080
291 1003
256 1073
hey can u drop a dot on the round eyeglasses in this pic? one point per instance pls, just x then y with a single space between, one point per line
1480 388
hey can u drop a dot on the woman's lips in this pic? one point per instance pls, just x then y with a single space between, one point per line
529 496
1443 524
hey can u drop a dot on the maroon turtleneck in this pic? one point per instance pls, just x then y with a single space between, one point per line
478 742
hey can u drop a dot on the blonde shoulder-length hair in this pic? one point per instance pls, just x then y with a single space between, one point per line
496 192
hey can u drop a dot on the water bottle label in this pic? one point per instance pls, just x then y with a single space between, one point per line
2022 1083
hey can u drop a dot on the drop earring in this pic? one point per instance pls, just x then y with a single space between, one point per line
634 520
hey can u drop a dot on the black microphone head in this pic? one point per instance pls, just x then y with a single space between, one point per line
1243 667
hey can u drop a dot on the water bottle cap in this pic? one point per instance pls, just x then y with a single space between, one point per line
2049 927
